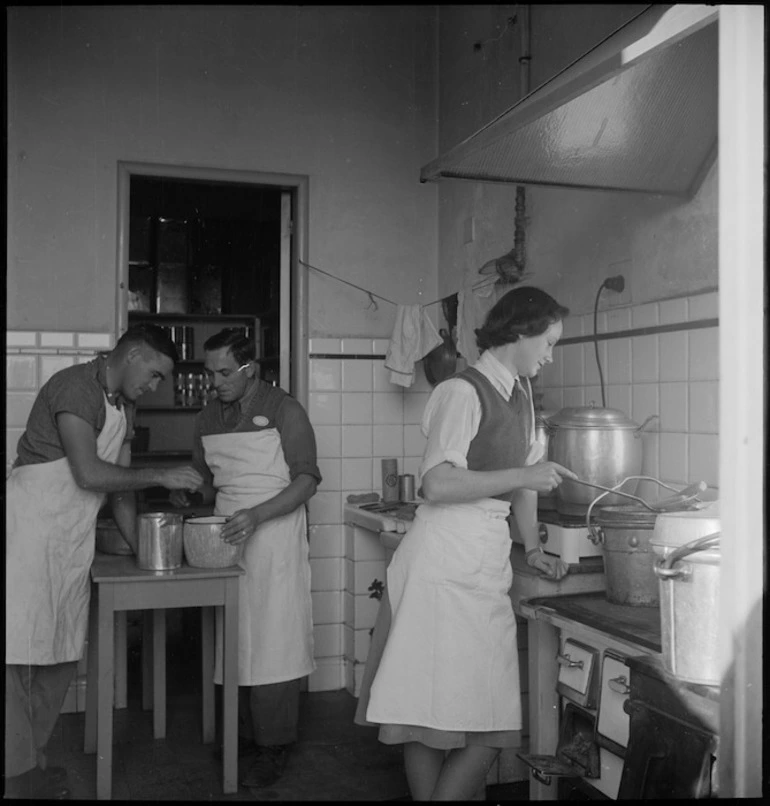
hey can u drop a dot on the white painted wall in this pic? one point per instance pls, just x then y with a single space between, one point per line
343 94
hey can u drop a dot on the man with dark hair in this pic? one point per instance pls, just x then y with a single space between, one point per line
255 448
76 447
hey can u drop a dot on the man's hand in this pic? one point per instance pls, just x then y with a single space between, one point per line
181 478
240 526
178 498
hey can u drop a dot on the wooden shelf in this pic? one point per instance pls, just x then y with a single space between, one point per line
193 317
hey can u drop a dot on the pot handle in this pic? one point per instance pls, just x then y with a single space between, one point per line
664 568
638 431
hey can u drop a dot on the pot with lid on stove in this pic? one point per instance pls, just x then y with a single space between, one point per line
601 445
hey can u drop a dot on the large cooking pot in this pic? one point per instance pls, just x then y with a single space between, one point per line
688 559
602 446
159 535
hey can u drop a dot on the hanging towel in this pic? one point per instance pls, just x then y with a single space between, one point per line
414 336
473 305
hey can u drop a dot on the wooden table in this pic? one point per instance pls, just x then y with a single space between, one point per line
118 585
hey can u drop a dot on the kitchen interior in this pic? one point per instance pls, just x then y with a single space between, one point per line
194 163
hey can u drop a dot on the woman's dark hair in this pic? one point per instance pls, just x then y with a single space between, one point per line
233 338
523 311
155 337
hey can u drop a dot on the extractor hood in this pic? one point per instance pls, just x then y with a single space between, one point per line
638 112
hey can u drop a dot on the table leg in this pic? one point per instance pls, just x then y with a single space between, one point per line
543 646
159 673
121 651
147 660
92 678
230 688
207 674
105 675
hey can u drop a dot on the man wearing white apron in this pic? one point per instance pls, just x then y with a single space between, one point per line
76 448
255 447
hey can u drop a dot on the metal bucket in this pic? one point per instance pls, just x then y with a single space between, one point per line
160 538
629 560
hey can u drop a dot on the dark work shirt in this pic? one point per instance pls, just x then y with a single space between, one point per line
278 409
78 390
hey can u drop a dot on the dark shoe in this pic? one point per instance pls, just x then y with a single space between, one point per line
37 784
268 766
246 747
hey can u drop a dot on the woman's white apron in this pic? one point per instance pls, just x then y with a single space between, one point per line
451 658
275 623
50 542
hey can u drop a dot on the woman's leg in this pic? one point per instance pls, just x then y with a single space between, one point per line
464 772
423 766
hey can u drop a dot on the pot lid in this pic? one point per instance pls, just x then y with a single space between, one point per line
592 417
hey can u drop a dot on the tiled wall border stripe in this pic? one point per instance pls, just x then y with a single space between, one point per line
351 356
55 350
642 331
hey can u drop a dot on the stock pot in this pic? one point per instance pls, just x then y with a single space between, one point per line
601 445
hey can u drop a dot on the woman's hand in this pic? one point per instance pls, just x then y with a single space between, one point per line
545 476
178 498
240 526
551 567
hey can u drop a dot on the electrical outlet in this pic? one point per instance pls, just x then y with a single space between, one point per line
469 230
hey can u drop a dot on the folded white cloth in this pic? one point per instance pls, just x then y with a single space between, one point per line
414 336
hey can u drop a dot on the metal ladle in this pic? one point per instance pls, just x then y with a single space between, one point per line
685 496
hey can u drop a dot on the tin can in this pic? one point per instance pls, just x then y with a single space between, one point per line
390 479
160 539
406 487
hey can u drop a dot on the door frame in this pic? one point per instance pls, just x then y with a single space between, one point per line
297 184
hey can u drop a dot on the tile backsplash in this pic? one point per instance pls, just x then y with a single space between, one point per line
673 374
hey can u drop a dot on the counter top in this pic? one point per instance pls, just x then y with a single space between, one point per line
636 625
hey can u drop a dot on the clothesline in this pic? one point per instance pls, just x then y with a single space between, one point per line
371 294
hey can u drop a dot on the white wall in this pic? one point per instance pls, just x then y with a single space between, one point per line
343 94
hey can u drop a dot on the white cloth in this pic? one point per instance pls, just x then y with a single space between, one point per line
473 305
414 336
50 543
275 620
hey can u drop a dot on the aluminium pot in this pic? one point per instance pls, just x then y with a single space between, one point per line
204 546
601 446
688 560
629 560
159 538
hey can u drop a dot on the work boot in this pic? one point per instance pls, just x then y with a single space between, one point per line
38 784
268 766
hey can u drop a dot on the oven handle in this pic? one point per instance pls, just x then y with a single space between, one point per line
566 660
619 685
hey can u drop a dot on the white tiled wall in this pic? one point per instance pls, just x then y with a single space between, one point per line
673 375
359 418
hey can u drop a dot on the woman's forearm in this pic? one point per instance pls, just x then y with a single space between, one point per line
446 483
524 506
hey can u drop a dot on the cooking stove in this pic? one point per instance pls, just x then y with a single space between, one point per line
567 537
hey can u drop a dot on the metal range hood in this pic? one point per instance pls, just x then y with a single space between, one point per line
637 113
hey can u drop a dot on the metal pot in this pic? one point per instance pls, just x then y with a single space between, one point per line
159 535
688 559
203 544
625 532
601 446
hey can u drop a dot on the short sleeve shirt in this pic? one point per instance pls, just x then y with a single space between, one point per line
78 390
272 407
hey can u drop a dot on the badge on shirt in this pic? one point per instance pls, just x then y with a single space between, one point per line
260 420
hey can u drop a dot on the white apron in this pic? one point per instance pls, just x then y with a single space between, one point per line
458 673
275 620
50 528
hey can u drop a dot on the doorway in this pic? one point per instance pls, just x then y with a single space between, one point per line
244 230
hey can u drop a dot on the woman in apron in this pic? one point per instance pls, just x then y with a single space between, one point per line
447 682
